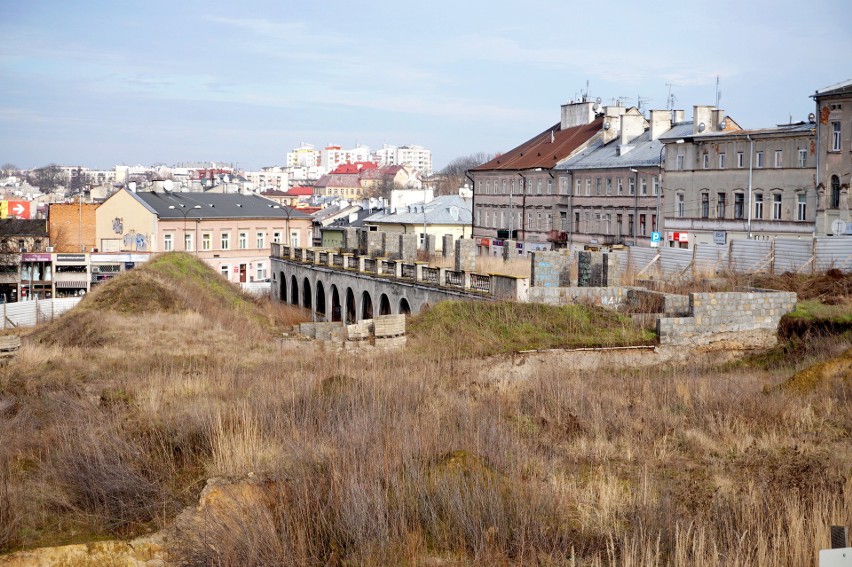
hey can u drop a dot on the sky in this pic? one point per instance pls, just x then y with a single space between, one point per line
100 83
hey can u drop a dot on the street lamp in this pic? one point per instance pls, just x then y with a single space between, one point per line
184 211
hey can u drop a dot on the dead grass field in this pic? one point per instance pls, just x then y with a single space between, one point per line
113 419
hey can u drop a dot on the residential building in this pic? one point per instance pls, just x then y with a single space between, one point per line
833 153
447 214
613 187
517 196
303 156
231 232
332 156
416 157
723 182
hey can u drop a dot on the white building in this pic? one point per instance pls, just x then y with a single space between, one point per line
416 157
303 156
331 156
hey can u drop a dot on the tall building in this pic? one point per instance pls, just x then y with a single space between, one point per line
416 157
833 152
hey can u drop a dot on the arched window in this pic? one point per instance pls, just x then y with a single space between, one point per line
835 192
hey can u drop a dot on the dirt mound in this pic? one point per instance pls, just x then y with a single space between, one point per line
135 292
835 371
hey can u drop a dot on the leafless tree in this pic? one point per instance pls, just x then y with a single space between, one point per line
46 178
452 177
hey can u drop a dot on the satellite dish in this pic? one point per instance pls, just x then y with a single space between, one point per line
606 125
701 127
723 124
811 117
168 184
838 227
598 100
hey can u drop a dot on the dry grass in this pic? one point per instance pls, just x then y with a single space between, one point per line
407 459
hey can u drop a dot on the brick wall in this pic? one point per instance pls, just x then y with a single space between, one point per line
64 226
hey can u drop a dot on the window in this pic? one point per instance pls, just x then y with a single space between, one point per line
643 186
226 241
538 187
550 187
705 205
261 240
758 205
681 205
720 205
803 158
835 192
722 160
706 161
801 207
588 187
504 186
225 271
776 206
187 241
680 162
597 186
276 237
609 185
529 221
630 226
642 224
538 220
656 186
502 220
168 243
579 185
512 190
835 136
261 272
758 159
739 205
576 222
631 186
778 158
619 186
206 241
294 238
563 186
740 160
478 217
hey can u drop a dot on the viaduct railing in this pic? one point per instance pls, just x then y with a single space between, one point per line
497 286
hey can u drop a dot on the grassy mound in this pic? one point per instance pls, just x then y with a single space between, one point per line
169 284
484 328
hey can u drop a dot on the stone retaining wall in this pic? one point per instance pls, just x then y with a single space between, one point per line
748 318
606 296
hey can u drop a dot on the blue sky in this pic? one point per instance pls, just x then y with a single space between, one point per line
103 83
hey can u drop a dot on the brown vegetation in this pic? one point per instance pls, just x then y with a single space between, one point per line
404 459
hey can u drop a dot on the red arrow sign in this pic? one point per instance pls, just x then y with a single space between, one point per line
20 209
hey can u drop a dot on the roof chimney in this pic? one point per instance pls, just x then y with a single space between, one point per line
661 121
578 114
677 117
632 126
703 119
612 123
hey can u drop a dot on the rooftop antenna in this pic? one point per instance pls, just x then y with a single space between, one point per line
640 102
670 99
622 99
718 92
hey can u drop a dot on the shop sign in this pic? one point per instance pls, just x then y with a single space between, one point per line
32 257
720 237
70 258
679 236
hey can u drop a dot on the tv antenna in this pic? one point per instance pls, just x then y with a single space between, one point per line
670 98
642 101
718 92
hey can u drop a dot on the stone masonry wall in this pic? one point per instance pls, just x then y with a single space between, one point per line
606 296
748 318
550 269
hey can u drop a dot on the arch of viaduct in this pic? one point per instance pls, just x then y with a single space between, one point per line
348 296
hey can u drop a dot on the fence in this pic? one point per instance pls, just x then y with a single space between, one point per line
743 256
31 313
256 288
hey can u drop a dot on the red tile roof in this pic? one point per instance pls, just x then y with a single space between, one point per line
544 150
300 191
355 167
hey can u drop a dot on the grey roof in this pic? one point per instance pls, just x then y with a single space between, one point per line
676 132
215 205
684 130
840 87
437 211
643 152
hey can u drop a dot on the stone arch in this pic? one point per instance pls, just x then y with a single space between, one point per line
351 310
384 305
320 302
336 309
294 290
366 305
282 288
306 294
404 307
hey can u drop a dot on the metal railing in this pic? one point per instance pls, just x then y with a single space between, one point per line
431 275
370 265
454 279
409 271
480 282
338 261
323 258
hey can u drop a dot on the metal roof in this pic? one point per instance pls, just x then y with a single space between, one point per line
684 130
214 205
643 152
437 211
832 89
544 150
